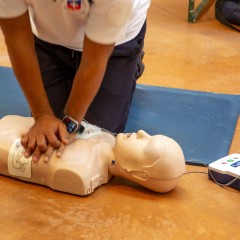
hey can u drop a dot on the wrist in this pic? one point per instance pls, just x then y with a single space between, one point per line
40 114
72 125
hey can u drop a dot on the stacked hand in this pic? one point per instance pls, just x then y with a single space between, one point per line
46 135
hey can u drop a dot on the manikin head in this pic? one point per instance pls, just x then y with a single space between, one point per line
156 162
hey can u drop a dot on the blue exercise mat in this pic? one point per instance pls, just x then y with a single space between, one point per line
202 123
12 100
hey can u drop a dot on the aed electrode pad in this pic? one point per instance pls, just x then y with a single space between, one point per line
18 164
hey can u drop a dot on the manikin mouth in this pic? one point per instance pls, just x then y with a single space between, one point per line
128 135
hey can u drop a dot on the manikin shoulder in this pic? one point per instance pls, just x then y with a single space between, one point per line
14 123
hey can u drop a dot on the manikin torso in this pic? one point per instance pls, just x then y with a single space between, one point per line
155 162
82 167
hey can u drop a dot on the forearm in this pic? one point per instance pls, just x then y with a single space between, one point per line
20 44
84 89
27 72
88 78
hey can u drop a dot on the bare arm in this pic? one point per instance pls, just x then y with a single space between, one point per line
20 44
88 77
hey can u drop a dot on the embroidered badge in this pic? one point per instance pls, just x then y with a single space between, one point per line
74 4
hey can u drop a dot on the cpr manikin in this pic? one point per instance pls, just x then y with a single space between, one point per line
155 162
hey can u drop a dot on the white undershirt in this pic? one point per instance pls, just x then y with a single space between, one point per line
104 22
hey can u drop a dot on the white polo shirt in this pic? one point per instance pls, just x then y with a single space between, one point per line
65 22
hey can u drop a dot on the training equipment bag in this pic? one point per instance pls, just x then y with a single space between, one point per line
228 13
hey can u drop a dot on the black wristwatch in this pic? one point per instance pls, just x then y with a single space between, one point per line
72 125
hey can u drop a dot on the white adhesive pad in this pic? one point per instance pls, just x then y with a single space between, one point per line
18 165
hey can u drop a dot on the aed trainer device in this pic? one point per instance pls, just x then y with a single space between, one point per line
226 171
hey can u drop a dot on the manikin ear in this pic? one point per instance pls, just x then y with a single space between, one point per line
140 175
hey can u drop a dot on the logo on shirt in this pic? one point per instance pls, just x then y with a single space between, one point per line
74 4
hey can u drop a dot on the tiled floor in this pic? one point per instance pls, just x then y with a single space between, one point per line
201 56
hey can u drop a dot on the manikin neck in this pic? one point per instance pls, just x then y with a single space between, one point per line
116 170
113 168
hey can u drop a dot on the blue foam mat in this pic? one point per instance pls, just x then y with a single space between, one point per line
12 100
202 123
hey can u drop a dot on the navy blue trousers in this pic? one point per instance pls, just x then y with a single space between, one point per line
110 107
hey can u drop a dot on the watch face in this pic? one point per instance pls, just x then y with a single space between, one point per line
70 124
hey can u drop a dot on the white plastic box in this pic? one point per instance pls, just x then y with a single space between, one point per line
226 171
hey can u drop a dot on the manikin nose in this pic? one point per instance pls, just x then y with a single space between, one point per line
142 134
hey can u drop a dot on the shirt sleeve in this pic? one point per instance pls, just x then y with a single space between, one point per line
12 8
107 20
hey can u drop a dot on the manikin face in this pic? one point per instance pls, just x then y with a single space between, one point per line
136 146
155 156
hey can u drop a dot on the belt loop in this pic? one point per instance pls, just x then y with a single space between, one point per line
73 53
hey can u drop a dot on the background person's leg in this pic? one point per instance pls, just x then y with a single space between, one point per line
111 105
